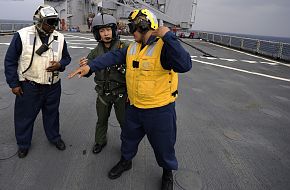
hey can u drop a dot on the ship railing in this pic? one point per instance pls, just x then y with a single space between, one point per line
12 27
274 50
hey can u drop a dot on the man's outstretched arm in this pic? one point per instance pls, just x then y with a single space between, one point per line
115 57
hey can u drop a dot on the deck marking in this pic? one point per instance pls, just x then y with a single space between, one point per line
225 59
80 40
5 44
248 61
130 40
287 65
243 71
76 47
210 58
81 44
269 63
81 37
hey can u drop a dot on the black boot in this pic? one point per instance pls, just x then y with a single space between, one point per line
97 148
167 180
119 168
22 152
60 145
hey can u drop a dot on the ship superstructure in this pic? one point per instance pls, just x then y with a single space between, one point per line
74 13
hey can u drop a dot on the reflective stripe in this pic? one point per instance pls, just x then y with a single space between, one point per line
133 49
31 39
150 49
55 45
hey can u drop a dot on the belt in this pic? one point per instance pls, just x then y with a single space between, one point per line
38 84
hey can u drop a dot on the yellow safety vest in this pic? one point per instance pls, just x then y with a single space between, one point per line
148 84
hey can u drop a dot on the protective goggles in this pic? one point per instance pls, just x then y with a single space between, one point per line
52 21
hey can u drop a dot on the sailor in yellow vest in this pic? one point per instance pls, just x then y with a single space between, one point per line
152 64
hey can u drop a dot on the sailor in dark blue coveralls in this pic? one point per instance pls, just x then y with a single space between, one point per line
33 61
152 63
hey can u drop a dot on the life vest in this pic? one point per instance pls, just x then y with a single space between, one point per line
37 70
148 84
111 79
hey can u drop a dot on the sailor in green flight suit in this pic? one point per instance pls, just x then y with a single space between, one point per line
110 82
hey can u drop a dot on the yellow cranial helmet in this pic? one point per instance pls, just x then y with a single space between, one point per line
142 14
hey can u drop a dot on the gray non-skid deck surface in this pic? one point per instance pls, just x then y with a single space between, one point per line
233 131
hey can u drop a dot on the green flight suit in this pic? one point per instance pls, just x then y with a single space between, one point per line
111 89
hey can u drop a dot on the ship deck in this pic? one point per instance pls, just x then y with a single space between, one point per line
232 118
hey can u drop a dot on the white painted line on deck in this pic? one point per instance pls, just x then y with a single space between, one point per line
81 43
287 65
81 37
126 39
269 63
90 48
225 59
209 58
81 40
248 61
76 47
243 71
193 56
5 44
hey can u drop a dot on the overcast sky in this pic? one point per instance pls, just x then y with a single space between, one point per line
18 9
257 17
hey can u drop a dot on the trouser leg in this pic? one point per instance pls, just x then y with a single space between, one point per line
50 111
161 133
132 133
103 107
26 110
119 106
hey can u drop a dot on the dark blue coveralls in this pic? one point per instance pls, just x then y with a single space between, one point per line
35 97
159 124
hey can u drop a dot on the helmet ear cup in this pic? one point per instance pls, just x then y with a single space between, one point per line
115 31
132 27
96 33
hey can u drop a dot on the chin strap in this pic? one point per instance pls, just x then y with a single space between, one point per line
41 32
